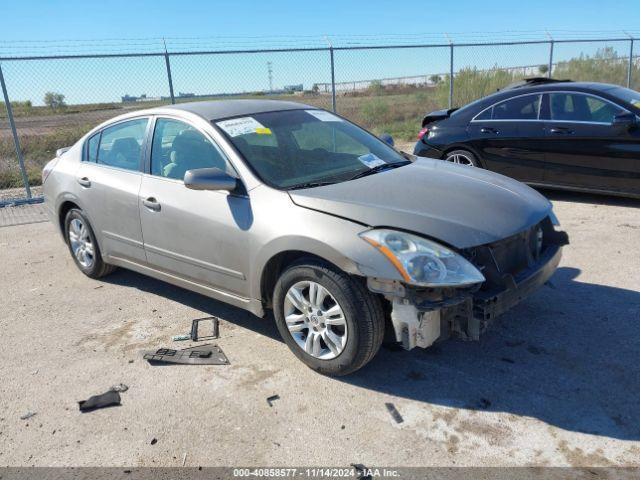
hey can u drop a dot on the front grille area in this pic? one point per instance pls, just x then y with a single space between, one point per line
501 262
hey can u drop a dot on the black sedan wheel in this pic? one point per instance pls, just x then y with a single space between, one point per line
462 157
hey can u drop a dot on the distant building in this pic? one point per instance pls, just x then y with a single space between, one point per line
293 88
142 98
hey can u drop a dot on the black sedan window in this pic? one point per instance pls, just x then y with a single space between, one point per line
576 107
519 108
524 107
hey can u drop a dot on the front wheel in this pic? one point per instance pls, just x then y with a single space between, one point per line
327 318
462 157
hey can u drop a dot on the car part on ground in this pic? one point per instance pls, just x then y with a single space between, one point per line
277 205
198 355
110 398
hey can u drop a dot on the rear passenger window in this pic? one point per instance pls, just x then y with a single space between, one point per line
121 145
92 148
519 108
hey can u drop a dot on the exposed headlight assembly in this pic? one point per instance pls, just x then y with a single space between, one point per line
423 262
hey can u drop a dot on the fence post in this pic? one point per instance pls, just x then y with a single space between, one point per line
451 75
16 141
550 58
333 80
168 64
630 67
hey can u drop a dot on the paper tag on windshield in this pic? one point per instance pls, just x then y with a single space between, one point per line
324 116
370 160
241 126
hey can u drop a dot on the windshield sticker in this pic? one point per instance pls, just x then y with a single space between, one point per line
635 103
241 126
324 116
370 160
263 131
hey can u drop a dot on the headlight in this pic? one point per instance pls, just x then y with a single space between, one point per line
421 261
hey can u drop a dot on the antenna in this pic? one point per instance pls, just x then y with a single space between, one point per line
270 70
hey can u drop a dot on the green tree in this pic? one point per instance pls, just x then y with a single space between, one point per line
54 100
376 87
543 69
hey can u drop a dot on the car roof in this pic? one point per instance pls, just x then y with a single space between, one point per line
469 110
218 109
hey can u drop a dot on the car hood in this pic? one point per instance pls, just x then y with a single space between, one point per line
461 206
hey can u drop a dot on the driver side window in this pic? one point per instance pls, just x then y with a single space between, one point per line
178 147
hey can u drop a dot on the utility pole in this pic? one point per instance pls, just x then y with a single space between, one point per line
270 70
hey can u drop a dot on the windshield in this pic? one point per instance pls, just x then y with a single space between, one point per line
300 148
626 95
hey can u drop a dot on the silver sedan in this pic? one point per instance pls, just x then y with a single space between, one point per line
283 206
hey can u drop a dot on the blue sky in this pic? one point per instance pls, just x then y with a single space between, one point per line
73 26
64 19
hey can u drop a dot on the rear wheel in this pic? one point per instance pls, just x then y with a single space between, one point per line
462 157
83 245
327 318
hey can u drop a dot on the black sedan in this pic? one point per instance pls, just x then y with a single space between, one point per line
545 132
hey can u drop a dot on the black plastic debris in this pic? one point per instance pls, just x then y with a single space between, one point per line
195 336
28 415
360 471
199 355
395 414
215 328
272 399
107 399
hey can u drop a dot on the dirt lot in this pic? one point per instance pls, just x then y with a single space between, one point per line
555 382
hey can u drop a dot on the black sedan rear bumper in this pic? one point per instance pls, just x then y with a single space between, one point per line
423 149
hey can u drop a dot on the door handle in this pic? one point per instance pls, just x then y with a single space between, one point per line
488 130
84 181
151 203
561 131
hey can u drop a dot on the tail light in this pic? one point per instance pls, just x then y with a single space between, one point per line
422 133
48 168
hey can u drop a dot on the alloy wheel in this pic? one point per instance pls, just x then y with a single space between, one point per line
315 320
81 244
461 159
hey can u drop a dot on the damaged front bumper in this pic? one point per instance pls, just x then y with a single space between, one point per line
422 316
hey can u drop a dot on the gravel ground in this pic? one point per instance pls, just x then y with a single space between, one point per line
19 193
555 382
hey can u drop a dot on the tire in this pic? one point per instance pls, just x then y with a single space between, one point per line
79 235
462 157
362 316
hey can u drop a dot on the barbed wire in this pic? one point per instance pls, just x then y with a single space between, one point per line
10 48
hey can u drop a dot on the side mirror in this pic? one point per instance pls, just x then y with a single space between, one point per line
386 138
624 120
209 179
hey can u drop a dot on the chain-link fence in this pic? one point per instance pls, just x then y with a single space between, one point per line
50 101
